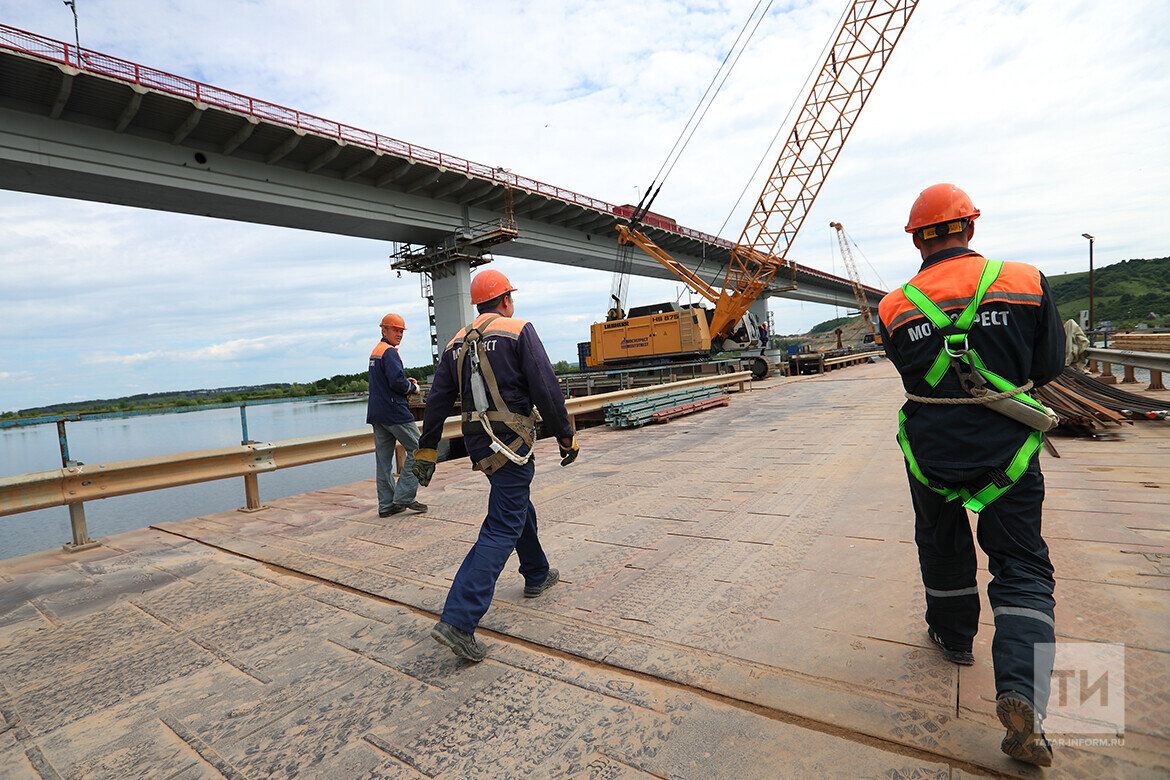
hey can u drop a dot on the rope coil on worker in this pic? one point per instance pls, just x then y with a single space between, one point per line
982 397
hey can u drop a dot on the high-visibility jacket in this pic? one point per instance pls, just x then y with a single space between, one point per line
523 373
388 387
1018 334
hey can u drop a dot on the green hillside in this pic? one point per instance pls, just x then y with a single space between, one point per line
1124 292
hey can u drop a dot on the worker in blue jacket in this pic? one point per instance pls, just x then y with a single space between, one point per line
389 414
499 370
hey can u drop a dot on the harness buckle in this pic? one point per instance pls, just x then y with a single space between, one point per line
962 352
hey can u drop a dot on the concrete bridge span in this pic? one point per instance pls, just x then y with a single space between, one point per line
94 127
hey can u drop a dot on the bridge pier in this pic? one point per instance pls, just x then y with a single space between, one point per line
760 309
452 293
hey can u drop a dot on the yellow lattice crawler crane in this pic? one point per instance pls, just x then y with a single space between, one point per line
856 57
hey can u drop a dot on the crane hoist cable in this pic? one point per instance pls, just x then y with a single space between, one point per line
800 93
876 275
623 262
730 60
796 101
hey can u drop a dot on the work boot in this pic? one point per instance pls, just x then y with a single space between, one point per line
1024 741
461 644
960 657
417 506
532 591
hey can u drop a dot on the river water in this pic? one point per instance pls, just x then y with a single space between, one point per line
35 448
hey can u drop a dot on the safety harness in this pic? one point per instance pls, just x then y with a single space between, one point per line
483 383
973 375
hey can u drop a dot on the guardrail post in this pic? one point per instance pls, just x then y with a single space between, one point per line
1091 366
1128 378
251 494
251 481
1156 381
1107 373
80 533
244 425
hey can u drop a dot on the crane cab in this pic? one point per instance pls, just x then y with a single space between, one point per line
665 332
651 333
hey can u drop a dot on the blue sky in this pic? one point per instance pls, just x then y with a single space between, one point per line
1052 114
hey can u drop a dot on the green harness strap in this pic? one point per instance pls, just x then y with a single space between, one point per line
955 349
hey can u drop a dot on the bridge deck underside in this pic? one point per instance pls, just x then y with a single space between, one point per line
150 149
740 598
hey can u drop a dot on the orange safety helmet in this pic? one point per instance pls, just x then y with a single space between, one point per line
943 205
394 321
488 285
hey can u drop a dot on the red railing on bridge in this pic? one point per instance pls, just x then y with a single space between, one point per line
132 73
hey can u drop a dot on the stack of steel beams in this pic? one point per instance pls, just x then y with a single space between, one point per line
663 406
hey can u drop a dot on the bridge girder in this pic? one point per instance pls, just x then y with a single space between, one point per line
230 165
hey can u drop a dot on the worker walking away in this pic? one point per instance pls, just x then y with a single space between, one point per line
389 413
499 370
970 337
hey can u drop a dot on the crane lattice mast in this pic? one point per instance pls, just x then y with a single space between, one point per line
855 60
854 277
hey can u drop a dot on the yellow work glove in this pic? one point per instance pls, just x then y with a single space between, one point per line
424 465
569 450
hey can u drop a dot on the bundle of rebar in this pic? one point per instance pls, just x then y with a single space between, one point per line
663 406
1087 406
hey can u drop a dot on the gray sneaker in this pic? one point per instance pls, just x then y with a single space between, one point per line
461 644
1023 741
532 591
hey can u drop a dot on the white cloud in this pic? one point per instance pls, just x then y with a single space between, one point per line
1048 112
112 358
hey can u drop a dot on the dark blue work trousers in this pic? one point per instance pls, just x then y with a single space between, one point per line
510 525
1021 585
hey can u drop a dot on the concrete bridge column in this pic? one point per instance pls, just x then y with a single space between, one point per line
452 292
760 310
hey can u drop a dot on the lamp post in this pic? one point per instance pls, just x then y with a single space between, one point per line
1086 235
72 6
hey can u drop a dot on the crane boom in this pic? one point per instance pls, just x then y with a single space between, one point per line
863 45
869 31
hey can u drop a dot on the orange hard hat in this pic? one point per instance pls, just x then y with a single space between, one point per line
488 285
394 321
939 204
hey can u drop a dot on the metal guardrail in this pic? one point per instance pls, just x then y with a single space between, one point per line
1152 361
21 422
75 484
848 360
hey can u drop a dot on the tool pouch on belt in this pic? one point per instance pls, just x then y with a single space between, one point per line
508 431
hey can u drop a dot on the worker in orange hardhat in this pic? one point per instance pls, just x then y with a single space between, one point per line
970 337
499 370
389 413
